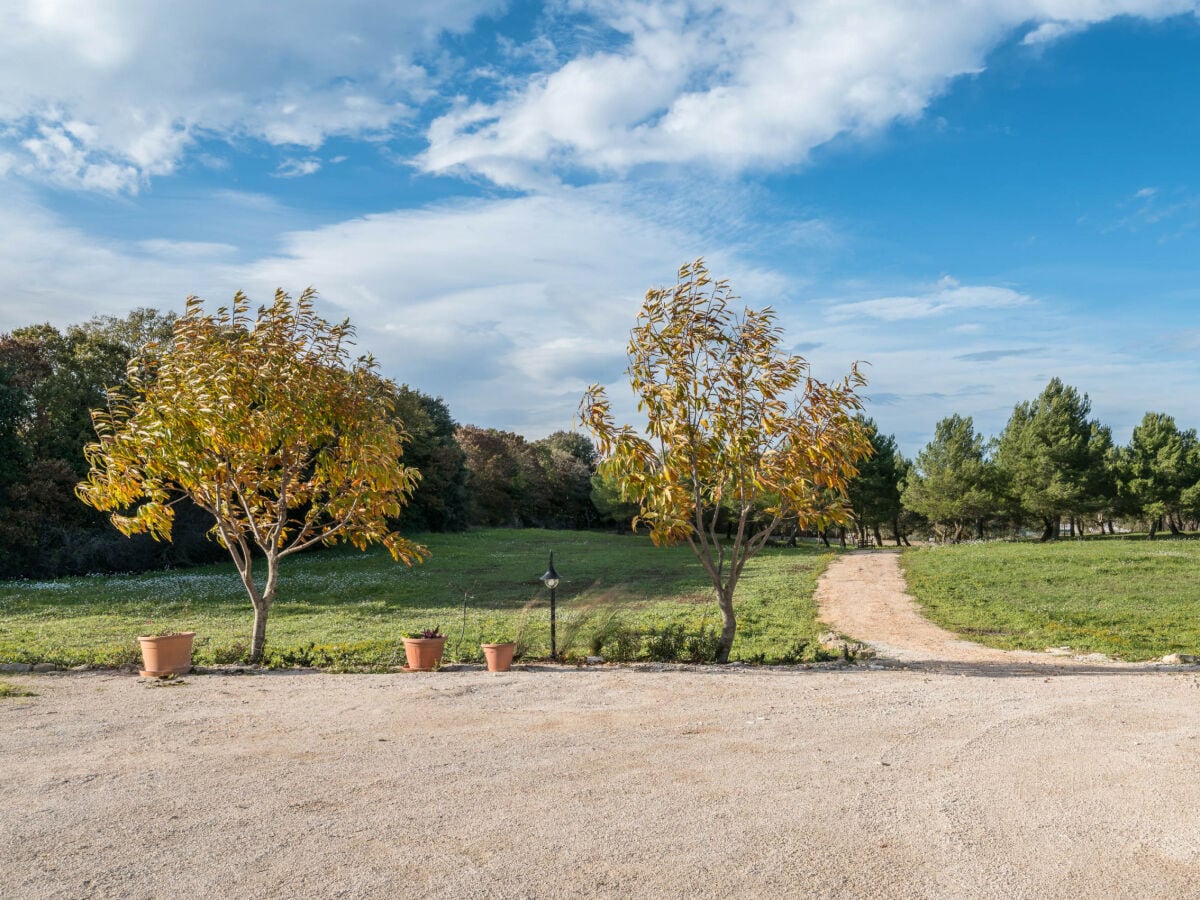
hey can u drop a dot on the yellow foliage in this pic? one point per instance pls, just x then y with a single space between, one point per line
262 420
734 428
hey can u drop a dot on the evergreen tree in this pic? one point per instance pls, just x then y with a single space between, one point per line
875 492
1160 464
1052 457
951 483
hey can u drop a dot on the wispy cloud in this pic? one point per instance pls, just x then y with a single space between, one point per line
948 297
1174 209
298 168
1049 32
993 355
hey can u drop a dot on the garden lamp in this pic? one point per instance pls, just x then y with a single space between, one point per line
551 579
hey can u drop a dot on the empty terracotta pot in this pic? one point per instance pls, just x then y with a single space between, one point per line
166 654
499 656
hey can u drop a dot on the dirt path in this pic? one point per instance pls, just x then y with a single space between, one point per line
863 595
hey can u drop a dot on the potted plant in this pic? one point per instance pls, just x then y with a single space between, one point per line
499 652
424 649
166 653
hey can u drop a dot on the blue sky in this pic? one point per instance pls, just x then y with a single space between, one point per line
972 197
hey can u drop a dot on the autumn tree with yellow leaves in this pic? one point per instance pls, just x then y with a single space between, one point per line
267 423
733 424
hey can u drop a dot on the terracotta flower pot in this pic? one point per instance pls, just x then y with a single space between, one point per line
424 654
498 656
166 654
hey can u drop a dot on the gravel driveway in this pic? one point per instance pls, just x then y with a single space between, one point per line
945 770
891 782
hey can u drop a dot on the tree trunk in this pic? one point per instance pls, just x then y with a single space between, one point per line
896 529
1153 529
842 536
1050 529
979 528
1173 525
824 532
728 624
262 605
258 637
878 536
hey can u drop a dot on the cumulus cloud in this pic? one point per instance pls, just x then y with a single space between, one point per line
506 307
757 83
104 94
509 308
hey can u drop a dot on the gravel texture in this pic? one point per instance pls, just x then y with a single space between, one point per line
934 777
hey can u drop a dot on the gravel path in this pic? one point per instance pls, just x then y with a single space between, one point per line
902 781
864 596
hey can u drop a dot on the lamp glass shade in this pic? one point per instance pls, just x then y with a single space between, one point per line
551 577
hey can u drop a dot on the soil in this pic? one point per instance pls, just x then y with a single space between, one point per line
863 595
937 773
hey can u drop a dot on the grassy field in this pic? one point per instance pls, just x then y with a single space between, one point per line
620 597
1132 600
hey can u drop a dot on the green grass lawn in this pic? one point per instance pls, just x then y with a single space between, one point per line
1133 600
620 597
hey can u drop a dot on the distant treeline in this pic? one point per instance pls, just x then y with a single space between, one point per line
50 380
1053 471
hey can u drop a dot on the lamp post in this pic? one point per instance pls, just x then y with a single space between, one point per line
551 580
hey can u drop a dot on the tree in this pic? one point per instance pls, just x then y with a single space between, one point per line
567 460
440 500
267 425
1160 464
497 474
715 389
49 383
874 492
951 483
1052 457
609 504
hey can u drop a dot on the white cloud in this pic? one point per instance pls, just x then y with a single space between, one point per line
104 94
758 83
509 308
1049 32
298 168
948 297
57 273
